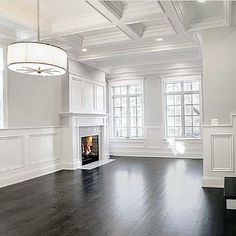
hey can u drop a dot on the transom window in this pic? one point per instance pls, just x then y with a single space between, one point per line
182 109
127 111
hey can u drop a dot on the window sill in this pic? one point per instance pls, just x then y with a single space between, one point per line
127 139
184 139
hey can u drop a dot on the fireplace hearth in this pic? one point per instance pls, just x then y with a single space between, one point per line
89 149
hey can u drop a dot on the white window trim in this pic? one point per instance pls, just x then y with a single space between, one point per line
124 82
173 80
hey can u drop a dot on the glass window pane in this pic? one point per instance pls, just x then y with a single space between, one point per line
170 110
116 90
123 90
195 98
177 110
133 101
139 101
140 132
178 131
117 122
133 122
132 89
170 121
139 89
188 121
169 88
196 110
133 111
177 100
177 121
117 112
188 132
139 111
117 132
139 122
188 110
117 102
124 122
123 102
196 132
170 99
171 131
195 85
177 87
187 86
124 112
124 132
196 121
133 132
187 99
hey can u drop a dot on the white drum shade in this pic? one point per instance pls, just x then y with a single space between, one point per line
36 59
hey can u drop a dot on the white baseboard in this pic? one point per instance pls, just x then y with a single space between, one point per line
71 165
32 173
156 154
211 182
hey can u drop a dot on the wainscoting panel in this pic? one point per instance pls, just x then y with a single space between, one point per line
154 145
222 145
43 148
11 152
219 153
27 153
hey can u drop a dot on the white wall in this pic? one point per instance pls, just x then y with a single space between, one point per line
154 143
219 72
33 100
219 98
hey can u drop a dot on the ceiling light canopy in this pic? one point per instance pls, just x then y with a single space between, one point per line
36 58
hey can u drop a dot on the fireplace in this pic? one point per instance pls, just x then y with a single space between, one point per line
89 149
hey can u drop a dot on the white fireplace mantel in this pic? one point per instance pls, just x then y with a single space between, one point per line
72 124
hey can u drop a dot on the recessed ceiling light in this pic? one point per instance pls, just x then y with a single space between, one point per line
159 39
84 50
202 1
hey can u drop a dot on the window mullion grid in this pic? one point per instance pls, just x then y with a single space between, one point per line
128 112
182 110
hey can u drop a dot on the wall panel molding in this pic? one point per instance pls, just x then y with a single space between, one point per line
214 151
8 152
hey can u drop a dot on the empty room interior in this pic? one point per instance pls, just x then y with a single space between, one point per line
117 118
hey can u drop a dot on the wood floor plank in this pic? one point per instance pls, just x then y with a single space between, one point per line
130 197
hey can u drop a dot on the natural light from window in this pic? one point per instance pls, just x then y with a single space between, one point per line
127 111
182 103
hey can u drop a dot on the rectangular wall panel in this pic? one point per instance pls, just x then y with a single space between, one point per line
76 95
88 97
222 152
100 98
43 148
11 153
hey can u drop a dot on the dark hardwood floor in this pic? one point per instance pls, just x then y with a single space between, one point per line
130 196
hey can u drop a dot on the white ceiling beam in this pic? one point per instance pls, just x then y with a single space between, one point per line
110 14
176 23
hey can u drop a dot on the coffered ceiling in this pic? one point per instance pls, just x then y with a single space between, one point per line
122 38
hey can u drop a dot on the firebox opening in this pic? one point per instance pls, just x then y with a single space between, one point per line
90 149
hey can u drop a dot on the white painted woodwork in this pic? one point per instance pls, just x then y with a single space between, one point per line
219 153
27 153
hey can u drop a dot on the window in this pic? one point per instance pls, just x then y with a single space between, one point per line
182 109
127 111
